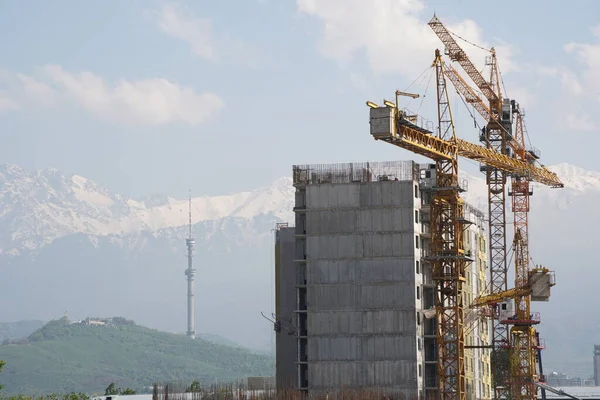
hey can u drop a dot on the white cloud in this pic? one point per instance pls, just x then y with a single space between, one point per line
526 98
197 32
180 23
37 91
580 121
143 102
569 79
7 103
588 56
581 86
392 34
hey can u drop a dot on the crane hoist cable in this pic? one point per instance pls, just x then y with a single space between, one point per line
467 41
426 90
417 78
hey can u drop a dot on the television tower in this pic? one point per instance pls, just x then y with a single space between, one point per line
190 272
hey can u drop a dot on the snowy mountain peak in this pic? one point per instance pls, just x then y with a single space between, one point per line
569 169
38 207
577 178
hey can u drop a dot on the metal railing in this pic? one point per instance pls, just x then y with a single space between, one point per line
355 172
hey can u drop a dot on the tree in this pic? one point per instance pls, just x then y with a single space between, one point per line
111 390
2 364
194 387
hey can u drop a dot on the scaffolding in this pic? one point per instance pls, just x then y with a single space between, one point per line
359 172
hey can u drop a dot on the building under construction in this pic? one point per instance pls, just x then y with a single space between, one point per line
354 288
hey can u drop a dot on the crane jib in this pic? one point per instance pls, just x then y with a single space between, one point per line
388 124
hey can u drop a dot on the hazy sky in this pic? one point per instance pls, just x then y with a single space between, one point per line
222 96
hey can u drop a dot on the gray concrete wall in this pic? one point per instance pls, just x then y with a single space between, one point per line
285 293
362 305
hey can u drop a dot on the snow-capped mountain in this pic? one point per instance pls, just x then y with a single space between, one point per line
96 252
39 207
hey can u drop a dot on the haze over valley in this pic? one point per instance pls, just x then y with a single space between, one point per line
78 247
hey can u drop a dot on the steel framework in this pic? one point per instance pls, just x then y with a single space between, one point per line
522 334
523 347
447 258
496 185
497 136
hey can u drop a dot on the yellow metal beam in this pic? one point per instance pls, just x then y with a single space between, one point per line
496 298
413 95
420 141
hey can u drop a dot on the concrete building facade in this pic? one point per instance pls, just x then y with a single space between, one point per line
362 282
285 305
478 329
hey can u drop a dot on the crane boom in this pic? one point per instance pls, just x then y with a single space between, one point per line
409 136
448 258
496 298
456 53
497 136
471 97
468 93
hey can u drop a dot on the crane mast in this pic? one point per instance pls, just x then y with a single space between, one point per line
523 340
495 139
522 334
514 373
448 259
502 155
494 135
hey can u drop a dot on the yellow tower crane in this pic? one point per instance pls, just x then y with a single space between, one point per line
530 285
495 139
448 258
515 310
497 135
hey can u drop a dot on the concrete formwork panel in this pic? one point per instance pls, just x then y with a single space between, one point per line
372 245
347 220
332 221
332 196
385 295
382 220
400 322
365 348
387 375
338 348
331 246
388 348
332 297
378 322
385 270
385 245
388 270
392 193
332 271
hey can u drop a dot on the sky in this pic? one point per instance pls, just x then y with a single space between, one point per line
158 97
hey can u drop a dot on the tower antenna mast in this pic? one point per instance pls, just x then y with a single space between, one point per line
190 272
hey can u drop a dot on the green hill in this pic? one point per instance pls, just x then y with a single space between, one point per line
17 330
64 357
